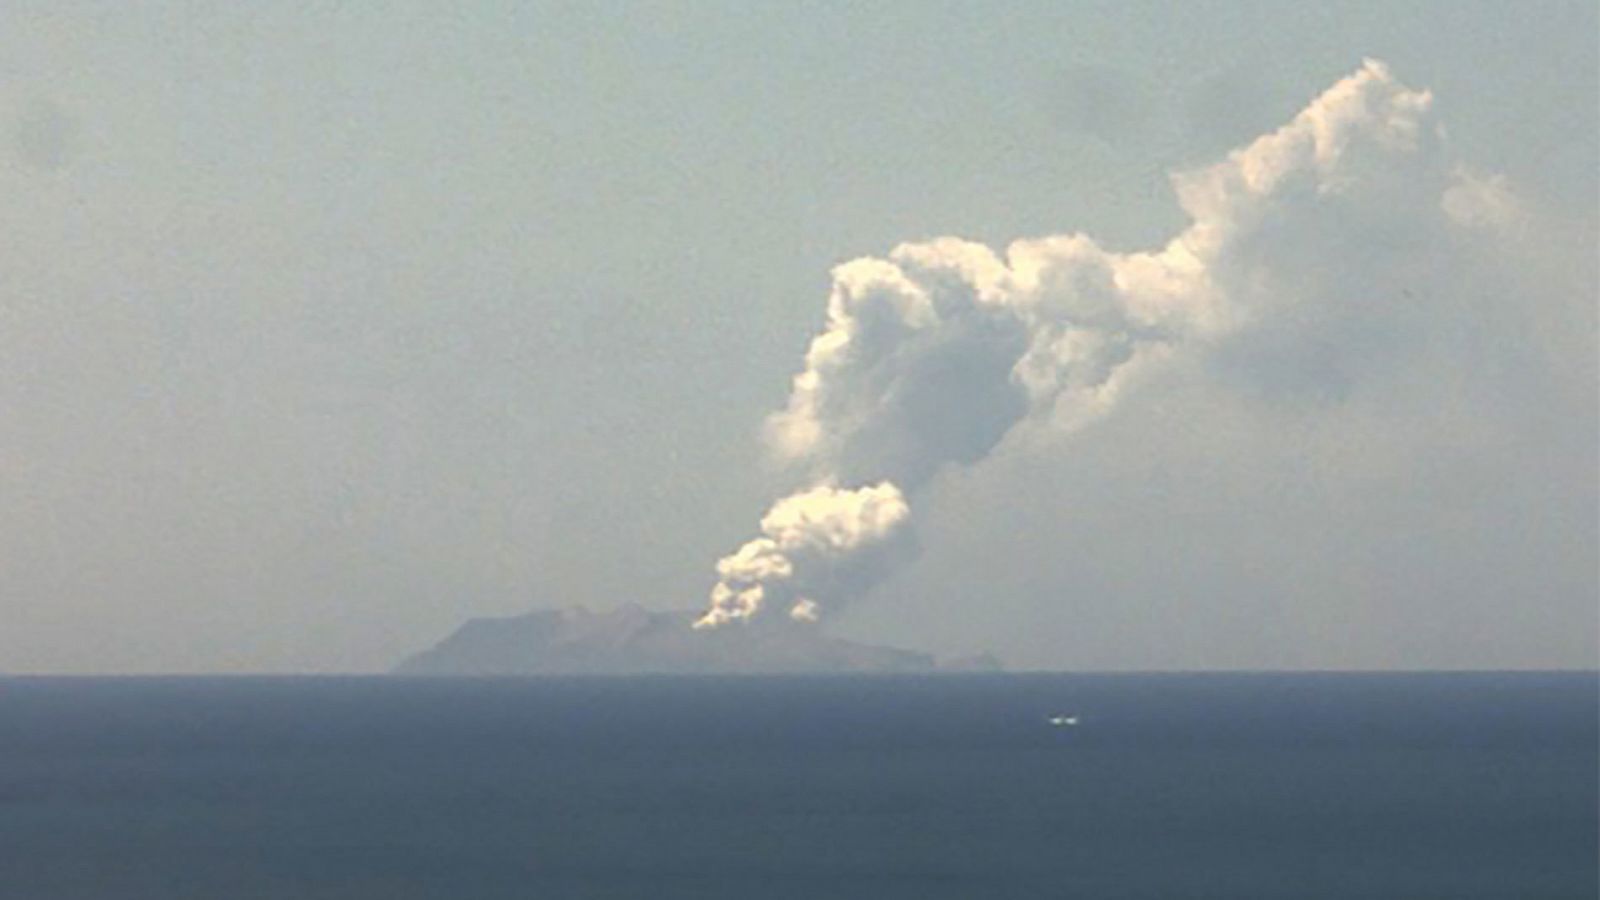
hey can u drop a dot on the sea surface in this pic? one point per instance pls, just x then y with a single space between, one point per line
1168 786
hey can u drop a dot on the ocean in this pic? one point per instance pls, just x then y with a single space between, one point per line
1147 786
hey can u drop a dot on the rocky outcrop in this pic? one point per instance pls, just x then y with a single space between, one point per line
635 641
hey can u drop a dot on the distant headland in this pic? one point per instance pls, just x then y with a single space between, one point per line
632 640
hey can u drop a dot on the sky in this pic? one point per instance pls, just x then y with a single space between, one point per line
325 328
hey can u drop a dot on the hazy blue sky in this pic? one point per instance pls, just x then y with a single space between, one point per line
323 328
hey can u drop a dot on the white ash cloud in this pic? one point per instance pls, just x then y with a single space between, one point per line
816 543
1316 256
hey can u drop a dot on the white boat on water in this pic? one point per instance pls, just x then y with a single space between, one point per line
1062 721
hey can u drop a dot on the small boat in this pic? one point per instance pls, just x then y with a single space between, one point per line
1062 721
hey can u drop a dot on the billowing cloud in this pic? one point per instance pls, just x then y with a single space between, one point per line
1318 256
817 543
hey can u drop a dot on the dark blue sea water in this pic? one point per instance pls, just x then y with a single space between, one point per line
1169 786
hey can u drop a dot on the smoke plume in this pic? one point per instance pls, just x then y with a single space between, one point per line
1288 277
